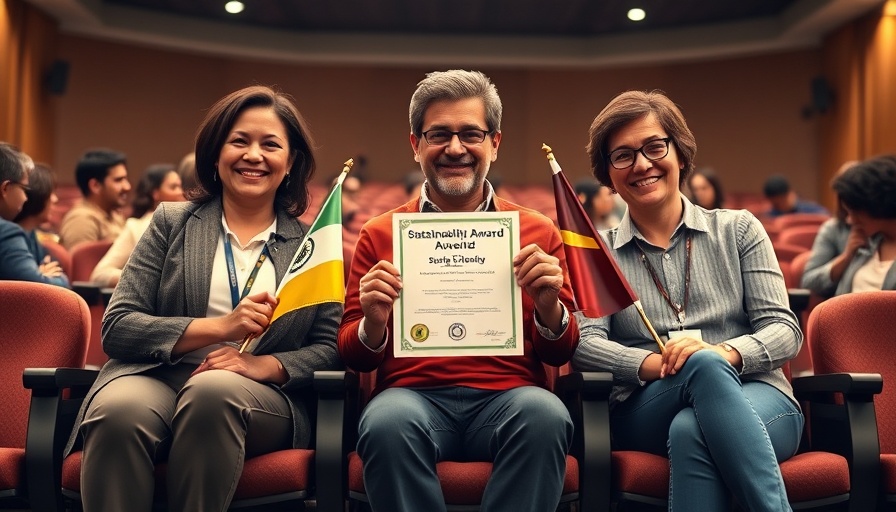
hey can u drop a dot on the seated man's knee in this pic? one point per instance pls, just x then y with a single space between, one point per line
541 411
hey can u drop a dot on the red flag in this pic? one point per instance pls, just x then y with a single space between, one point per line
598 284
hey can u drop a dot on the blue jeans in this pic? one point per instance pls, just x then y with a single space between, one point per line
525 432
720 435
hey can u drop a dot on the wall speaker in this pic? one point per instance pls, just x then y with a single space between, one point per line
57 77
822 94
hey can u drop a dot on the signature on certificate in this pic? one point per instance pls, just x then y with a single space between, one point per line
491 332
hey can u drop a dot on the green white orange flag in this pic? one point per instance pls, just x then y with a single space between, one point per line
316 274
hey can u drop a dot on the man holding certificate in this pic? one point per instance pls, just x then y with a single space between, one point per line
433 274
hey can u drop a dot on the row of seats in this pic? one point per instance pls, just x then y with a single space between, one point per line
847 459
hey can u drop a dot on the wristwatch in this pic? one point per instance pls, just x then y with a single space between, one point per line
727 347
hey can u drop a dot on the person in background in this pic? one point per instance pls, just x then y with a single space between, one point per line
187 171
785 201
160 182
413 180
427 409
351 186
706 189
102 176
598 202
866 192
715 401
35 213
200 280
836 240
17 263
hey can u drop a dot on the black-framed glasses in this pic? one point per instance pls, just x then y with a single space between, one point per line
440 137
623 158
24 187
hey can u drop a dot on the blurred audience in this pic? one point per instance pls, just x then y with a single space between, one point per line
413 182
598 202
16 260
835 237
160 182
102 176
866 191
351 186
35 213
784 200
706 189
187 171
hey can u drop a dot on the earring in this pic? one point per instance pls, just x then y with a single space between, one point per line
215 176
287 180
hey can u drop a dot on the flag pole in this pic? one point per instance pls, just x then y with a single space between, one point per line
346 167
555 168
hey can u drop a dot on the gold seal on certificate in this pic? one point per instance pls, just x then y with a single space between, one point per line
459 295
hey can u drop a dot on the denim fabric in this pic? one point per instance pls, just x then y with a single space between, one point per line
404 432
723 438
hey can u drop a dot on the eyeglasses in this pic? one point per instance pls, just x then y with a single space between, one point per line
440 137
623 158
25 188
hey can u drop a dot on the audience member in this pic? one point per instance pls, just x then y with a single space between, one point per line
413 181
784 200
714 400
187 171
472 408
35 213
706 189
866 191
102 176
598 202
17 263
160 182
176 387
835 237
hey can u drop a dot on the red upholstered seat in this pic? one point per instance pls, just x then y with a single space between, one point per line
43 325
855 333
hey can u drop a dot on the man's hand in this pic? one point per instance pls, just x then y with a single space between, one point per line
541 276
378 290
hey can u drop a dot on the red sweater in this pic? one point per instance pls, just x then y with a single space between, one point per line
482 372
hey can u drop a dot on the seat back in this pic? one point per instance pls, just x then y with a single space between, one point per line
43 326
85 256
800 219
802 235
59 253
854 333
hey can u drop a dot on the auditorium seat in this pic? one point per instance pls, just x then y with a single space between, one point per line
85 257
854 333
43 325
802 235
343 395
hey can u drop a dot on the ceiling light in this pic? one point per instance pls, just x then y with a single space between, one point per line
234 7
636 14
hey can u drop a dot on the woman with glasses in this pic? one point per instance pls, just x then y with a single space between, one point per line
17 263
715 400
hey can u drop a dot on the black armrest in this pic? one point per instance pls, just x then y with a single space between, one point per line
840 411
799 299
586 395
336 430
91 293
51 418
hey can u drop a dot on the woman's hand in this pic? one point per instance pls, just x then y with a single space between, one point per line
251 316
258 368
679 350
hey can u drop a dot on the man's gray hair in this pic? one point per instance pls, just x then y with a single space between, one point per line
455 84
13 163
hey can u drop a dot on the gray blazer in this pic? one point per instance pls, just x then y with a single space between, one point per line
165 285
863 255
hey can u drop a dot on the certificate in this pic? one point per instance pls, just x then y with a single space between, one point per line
459 296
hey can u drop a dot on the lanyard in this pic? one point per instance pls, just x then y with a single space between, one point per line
235 296
679 309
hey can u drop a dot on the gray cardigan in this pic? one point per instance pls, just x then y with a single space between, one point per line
165 285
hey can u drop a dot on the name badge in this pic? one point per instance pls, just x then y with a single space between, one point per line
697 334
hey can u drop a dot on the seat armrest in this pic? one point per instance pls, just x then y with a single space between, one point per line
51 417
586 395
841 419
91 293
336 430
799 299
